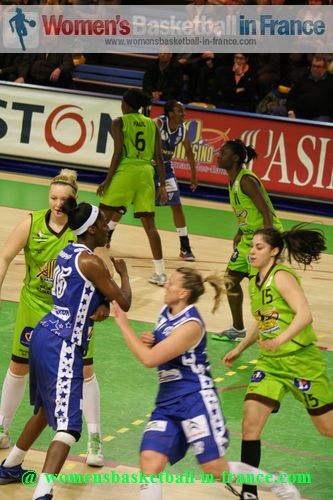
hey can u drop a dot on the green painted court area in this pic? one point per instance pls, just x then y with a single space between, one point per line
202 221
290 441
127 395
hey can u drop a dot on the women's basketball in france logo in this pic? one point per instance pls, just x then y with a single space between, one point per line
20 29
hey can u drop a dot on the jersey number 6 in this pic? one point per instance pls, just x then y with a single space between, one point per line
140 143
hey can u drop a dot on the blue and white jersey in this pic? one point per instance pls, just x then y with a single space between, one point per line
74 297
189 372
170 141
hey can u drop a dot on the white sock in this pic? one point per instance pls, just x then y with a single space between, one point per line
91 404
182 231
11 397
44 486
112 225
239 331
159 266
242 468
151 491
15 457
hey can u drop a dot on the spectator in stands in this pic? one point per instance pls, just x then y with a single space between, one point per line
206 79
195 67
8 66
312 97
235 86
294 67
163 79
275 102
267 68
46 69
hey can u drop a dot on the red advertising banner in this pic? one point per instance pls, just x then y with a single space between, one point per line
294 158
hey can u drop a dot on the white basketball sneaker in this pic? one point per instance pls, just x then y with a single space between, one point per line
95 457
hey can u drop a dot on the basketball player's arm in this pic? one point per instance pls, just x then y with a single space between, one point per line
190 157
251 338
158 123
252 189
95 270
11 21
293 294
16 242
237 238
181 340
160 167
118 141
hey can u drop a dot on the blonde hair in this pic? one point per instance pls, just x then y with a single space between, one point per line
195 283
67 177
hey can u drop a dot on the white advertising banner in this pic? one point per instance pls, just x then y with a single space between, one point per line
37 123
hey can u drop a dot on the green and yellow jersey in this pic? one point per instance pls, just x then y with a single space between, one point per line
274 315
40 254
139 133
248 216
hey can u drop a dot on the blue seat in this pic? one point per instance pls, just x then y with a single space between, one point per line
107 75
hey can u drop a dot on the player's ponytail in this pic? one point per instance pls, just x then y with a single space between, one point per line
302 244
195 284
244 153
251 154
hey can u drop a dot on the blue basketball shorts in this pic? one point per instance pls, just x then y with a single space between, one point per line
196 420
172 190
56 379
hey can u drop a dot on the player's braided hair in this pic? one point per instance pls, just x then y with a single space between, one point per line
195 283
245 153
66 177
169 106
301 243
136 99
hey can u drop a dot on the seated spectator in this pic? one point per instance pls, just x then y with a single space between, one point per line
163 79
294 67
46 69
195 67
8 66
188 63
312 97
235 87
206 78
267 68
275 102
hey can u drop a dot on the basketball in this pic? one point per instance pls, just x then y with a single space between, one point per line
32 23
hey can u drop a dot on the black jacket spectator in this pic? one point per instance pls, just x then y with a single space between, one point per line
312 97
47 69
267 68
235 86
163 79
8 66
294 67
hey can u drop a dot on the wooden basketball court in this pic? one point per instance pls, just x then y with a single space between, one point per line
130 243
